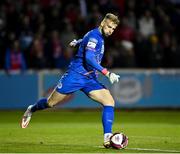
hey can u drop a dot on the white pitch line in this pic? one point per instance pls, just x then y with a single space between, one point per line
157 150
143 149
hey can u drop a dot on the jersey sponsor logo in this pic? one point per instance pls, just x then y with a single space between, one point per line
92 43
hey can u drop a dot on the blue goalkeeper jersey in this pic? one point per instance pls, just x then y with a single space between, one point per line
89 56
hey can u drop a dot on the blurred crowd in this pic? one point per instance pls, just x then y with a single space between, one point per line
34 34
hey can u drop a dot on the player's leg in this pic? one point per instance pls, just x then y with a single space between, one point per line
51 101
104 97
67 85
41 104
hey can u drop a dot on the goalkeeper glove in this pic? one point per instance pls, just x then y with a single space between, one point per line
112 76
73 43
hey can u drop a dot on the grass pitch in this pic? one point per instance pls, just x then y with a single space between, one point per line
81 132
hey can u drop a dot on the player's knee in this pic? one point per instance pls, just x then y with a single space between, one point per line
109 102
50 103
112 103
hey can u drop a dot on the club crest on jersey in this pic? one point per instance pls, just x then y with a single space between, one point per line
59 86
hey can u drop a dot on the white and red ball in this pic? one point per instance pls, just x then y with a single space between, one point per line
119 140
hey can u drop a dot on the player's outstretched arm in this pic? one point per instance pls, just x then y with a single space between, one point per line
90 58
75 42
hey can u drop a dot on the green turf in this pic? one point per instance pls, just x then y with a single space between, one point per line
81 132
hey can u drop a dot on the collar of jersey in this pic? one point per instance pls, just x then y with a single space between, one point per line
99 33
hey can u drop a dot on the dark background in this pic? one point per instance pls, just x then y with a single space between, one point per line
34 34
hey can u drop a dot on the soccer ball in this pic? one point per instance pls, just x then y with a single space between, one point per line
119 141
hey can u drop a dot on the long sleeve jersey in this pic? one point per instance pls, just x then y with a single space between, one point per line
88 59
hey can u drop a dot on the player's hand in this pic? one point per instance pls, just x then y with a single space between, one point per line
113 77
73 43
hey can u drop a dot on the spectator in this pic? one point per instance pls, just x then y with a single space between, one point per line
14 58
131 20
146 24
71 13
155 52
37 54
68 54
54 50
125 32
23 20
126 57
67 34
166 41
95 17
26 39
174 54
141 46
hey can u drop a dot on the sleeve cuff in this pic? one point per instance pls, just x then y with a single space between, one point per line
104 71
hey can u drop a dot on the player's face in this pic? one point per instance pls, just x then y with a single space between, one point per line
108 27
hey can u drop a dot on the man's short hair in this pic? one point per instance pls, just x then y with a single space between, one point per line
112 17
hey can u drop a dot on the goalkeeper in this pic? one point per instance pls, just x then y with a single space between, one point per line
82 75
